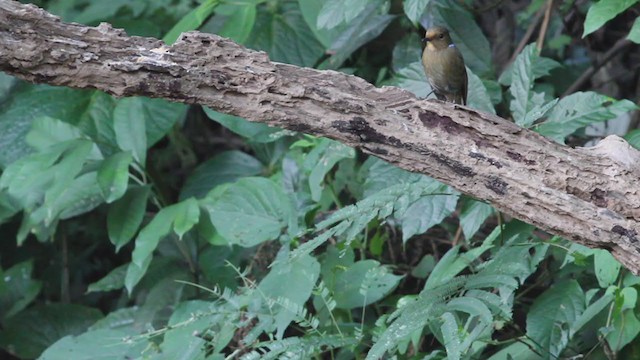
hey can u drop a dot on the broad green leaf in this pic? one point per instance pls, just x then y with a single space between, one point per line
98 344
538 109
293 282
47 131
285 36
254 132
180 217
590 312
363 283
191 21
25 105
30 332
414 9
411 78
633 137
624 326
160 116
541 66
471 306
82 195
451 336
251 211
239 24
321 159
130 129
634 34
473 214
478 97
602 11
553 314
189 320
522 83
103 10
406 52
382 175
113 176
125 216
466 34
428 211
607 268
581 109
310 10
114 280
520 350
225 167
187 217
336 12
366 27
17 289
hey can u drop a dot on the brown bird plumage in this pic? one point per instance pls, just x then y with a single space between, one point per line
444 66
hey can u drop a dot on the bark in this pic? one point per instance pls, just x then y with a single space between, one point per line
591 197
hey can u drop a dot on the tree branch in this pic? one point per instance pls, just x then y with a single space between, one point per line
589 196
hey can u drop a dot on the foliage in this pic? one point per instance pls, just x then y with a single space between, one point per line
139 228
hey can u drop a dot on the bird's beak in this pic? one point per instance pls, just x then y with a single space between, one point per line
425 40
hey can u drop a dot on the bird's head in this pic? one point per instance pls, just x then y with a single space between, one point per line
437 38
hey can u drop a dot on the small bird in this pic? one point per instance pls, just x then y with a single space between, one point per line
444 66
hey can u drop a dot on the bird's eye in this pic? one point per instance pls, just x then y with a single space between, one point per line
441 36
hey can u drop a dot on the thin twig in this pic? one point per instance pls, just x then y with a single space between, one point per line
545 25
586 76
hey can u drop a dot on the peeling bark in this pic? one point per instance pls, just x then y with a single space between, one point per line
590 197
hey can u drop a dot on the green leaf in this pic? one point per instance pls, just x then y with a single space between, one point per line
239 24
254 132
366 27
17 289
193 20
251 211
180 216
114 280
191 319
285 36
310 10
187 217
478 97
160 116
578 110
552 315
414 9
607 268
113 176
130 129
225 167
293 281
411 78
22 107
363 283
633 137
47 131
336 12
125 216
624 326
82 195
634 34
97 344
603 11
428 211
466 34
473 214
591 312
450 335
406 52
541 66
30 332
522 83
321 159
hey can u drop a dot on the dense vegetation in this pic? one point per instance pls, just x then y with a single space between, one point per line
141 228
